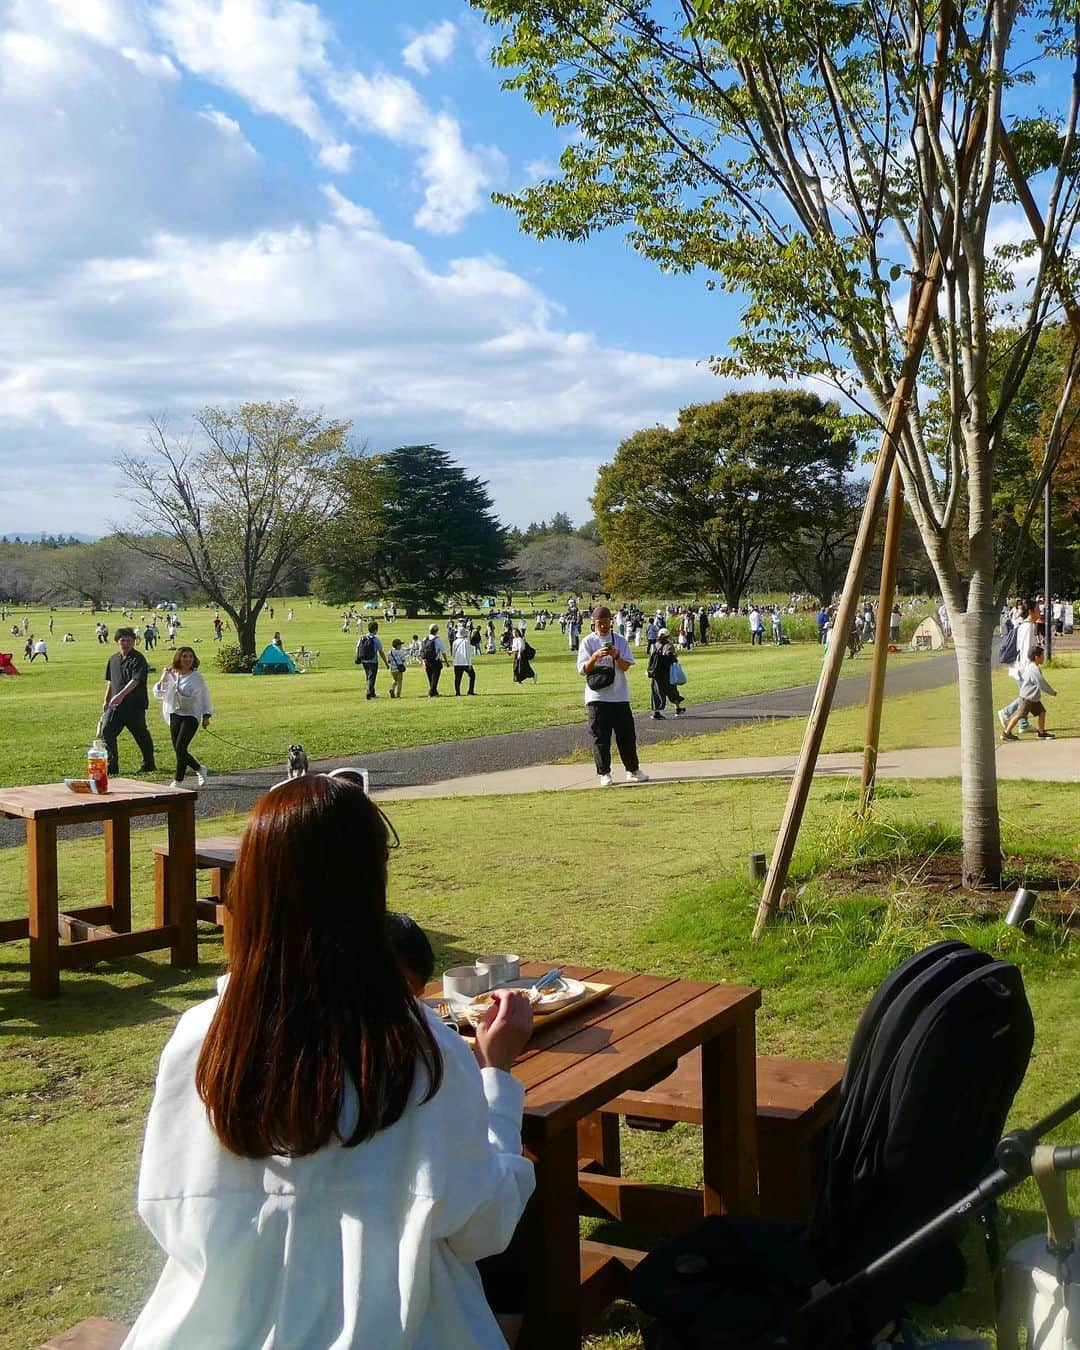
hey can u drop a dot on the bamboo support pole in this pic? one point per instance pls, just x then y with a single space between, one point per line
889 566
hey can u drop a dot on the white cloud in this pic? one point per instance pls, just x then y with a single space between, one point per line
456 177
270 52
430 48
469 356
154 65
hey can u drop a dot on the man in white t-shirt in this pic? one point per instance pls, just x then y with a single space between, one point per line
757 628
462 657
607 657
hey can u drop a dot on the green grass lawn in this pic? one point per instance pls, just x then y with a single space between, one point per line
909 722
664 871
56 706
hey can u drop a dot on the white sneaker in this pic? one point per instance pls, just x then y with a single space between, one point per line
603 780
637 777
1002 718
202 773
174 783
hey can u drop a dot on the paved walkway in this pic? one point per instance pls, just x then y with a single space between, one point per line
392 770
1041 761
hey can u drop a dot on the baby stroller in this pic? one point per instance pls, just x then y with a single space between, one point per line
935 1062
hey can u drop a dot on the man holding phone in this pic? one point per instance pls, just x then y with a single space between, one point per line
604 658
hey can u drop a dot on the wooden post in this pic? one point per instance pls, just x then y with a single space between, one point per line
923 311
889 565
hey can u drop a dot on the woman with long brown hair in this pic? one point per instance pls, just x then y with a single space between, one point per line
324 1161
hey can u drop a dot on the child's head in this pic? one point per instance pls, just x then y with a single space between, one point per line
396 643
410 945
1038 654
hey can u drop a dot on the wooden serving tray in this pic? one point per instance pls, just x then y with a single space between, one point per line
594 993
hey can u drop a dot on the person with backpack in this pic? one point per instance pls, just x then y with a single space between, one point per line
433 655
663 657
368 651
1015 652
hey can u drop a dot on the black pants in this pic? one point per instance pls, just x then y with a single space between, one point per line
371 669
433 669
663 693
182 730
605 718
756 636
459 672
134 720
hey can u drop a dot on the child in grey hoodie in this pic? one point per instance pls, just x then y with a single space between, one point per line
1032 687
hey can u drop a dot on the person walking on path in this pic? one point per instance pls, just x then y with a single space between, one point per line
368 651
126 701
662 659
604 658
433 655
462 656
1026 639
1032 687
185 702
396 666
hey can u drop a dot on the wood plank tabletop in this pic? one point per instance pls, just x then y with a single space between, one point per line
54 800
646 1022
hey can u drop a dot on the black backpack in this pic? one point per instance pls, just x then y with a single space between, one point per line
366 649
528 651
935 1062
429 653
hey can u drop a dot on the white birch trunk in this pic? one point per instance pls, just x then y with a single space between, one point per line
973 633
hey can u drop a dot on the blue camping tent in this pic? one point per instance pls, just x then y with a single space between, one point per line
274 661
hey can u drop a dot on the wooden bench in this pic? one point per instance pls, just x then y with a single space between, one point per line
95 1333
796 1101
218 857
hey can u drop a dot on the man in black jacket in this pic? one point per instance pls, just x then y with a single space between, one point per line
126 701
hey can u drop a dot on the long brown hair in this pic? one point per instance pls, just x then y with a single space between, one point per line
316 1009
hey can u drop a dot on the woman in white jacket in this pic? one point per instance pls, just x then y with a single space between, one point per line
324 1160
185 702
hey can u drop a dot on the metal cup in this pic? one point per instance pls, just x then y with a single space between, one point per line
465 981
499 969
1019 915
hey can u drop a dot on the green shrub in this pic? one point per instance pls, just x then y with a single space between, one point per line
232 661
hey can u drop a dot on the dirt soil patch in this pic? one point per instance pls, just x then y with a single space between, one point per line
1056 882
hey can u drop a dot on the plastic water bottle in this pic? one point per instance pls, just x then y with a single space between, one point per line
97 765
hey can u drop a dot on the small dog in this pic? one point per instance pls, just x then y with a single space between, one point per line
298 761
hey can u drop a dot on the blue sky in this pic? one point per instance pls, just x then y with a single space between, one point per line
217 200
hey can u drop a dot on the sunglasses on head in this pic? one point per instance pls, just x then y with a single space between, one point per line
358 778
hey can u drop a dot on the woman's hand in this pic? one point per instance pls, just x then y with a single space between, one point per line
505 1031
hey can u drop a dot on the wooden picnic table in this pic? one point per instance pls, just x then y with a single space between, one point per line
100 932
570 1069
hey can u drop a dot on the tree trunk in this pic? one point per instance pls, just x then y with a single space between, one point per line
978 742
733 598
245 636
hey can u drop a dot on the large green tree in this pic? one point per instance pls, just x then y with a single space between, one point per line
232 508
414 528
818 159
695 505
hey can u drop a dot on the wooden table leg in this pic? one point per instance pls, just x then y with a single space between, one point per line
161 892
598 1143
729 1119
44 908
180 880
118 871
553 1317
